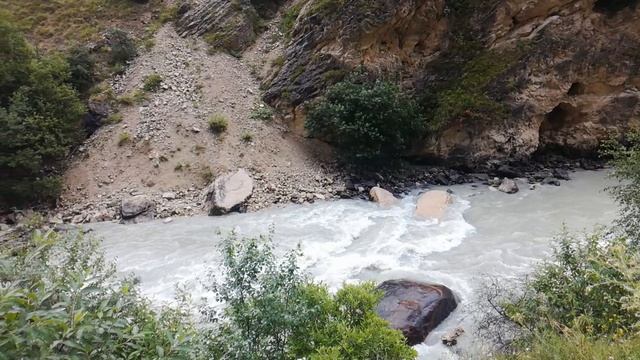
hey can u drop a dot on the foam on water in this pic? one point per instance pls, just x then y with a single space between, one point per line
484 233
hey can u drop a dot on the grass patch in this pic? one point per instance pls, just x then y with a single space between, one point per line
264 113
114 118
57 24
218 123
124 138
152 82
246 137
289 19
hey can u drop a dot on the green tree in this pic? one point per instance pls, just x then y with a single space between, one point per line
273 311
366 120
40 117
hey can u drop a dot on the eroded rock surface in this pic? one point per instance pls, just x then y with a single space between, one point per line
554 75
415 308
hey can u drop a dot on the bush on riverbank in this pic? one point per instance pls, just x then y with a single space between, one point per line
583 303
60 299
274 311
366 120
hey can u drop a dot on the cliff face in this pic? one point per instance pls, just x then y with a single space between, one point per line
564 74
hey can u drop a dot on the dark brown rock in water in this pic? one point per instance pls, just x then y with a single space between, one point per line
415 308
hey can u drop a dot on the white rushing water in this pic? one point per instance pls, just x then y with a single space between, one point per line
485 234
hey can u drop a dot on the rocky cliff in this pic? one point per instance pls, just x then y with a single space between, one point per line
502 79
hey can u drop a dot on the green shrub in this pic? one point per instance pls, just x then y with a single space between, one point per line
115 118
625 157
218 123
262 113
366 121
576 346
60 299
82 67
274 311
40 115
123 49
124 138
246 137
590 284
152 83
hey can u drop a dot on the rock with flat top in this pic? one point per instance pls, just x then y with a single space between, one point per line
382 197
433 204
415 308
229 193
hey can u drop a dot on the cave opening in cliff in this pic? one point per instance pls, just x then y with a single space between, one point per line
611 7
577 88
556 127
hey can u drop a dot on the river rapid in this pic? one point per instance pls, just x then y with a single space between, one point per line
485 234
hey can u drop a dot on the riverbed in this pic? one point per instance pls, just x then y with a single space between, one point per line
485 234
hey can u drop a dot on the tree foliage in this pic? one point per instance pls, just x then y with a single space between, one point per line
274 311
40 116
366 120
60 299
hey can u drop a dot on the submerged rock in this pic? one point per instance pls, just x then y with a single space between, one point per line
508 186
415 308
136 209
433 204
229 193
382 197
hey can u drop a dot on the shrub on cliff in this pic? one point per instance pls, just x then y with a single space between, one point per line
274 311
40 115
366 120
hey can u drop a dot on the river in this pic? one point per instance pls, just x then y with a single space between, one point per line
485 234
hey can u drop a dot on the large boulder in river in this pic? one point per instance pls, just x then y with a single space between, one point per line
415 308
382 197
229 193
136 209
508 186
433 204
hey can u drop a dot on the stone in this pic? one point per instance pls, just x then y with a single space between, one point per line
169 195
551 181
383 197
451 338
134 206
561 174
433 204
101 216
508 186
415 308
229 193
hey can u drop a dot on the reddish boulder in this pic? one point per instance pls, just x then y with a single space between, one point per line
415 308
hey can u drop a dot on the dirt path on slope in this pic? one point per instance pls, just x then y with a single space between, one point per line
171 155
